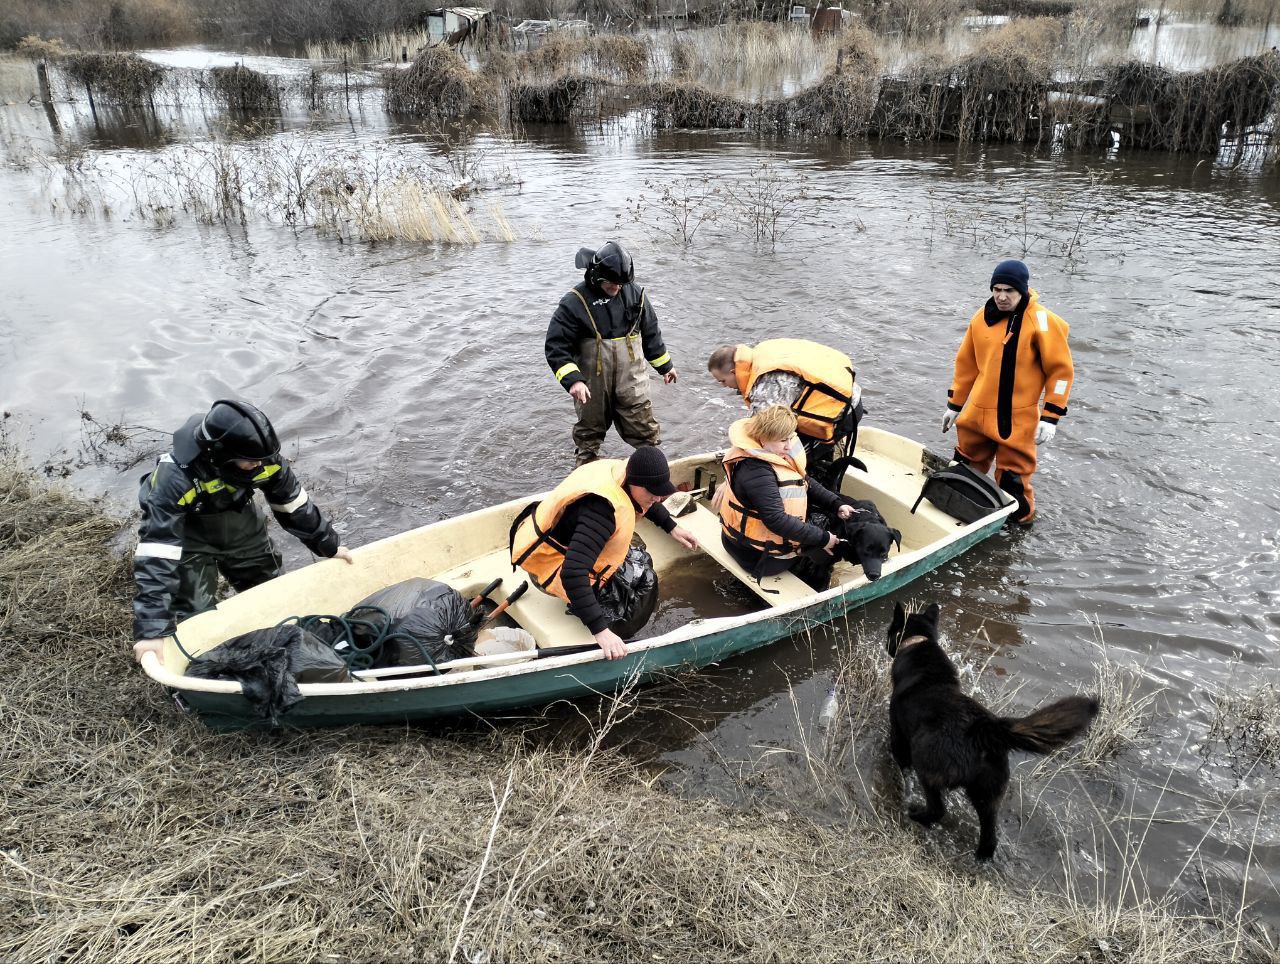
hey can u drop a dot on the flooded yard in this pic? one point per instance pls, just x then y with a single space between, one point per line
408 382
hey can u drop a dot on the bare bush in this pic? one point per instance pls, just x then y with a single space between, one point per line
685 105
549 102
243 89
678 208
1158 109
124 79
36 48
769 202
437 84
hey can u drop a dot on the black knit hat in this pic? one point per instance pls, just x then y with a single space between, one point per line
1014 274
648 469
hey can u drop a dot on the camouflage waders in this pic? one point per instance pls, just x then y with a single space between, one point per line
618 379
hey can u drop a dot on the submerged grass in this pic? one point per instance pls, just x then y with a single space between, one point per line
1246 722
133 833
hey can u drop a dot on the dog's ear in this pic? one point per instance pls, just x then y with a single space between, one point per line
932 613
896 626
897 537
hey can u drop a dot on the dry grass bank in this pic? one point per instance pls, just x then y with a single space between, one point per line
131 833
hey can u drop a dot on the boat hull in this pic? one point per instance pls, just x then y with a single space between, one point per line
537 687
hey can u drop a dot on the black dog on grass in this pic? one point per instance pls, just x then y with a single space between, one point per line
951 740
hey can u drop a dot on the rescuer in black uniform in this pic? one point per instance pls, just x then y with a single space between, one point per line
602 339
199 519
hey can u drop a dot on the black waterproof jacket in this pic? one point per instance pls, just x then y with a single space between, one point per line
755 486
583 529
184 484
627 314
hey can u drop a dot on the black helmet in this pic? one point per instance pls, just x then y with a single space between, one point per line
611 263
236 430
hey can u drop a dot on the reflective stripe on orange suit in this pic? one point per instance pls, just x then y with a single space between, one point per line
742 525
827 375
533 549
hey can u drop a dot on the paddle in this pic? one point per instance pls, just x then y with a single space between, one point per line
465 663
474 662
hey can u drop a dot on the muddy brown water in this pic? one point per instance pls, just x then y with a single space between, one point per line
409 384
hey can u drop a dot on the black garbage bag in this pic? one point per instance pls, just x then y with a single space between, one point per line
629 598
424 618
269 664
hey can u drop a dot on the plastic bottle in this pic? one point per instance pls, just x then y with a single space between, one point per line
829 707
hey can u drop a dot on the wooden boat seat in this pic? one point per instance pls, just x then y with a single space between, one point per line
775 590
545 616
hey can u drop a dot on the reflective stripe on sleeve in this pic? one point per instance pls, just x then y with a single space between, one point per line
157 550
565 370
660 360
295 503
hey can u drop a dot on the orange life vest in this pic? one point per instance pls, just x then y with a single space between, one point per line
826 377
535 551
743 525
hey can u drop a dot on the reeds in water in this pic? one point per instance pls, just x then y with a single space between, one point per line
376 193
381 48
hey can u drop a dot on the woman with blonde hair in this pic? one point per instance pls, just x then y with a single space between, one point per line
769 491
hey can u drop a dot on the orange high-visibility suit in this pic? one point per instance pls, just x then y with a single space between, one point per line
1010 374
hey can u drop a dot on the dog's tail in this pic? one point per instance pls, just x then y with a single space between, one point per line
1050 726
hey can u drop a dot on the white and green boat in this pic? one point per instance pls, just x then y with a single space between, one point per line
470 551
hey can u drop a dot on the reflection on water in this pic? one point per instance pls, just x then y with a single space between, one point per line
409 384
1192 46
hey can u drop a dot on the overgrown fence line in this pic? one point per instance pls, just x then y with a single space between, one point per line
1007 91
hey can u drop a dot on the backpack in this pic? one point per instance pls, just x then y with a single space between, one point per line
962 493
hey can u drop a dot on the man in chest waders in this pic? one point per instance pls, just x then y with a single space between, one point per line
602 339
1012 380
199 519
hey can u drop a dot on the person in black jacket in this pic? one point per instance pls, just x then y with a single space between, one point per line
764 505
199 519
588 524
602 338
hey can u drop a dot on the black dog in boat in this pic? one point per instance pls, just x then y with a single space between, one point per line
865 539
951 740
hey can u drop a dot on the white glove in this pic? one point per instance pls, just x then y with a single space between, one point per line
1045 431
949 418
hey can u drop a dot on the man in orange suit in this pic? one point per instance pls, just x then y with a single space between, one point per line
1012 380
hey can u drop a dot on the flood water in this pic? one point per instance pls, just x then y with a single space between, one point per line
409 384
